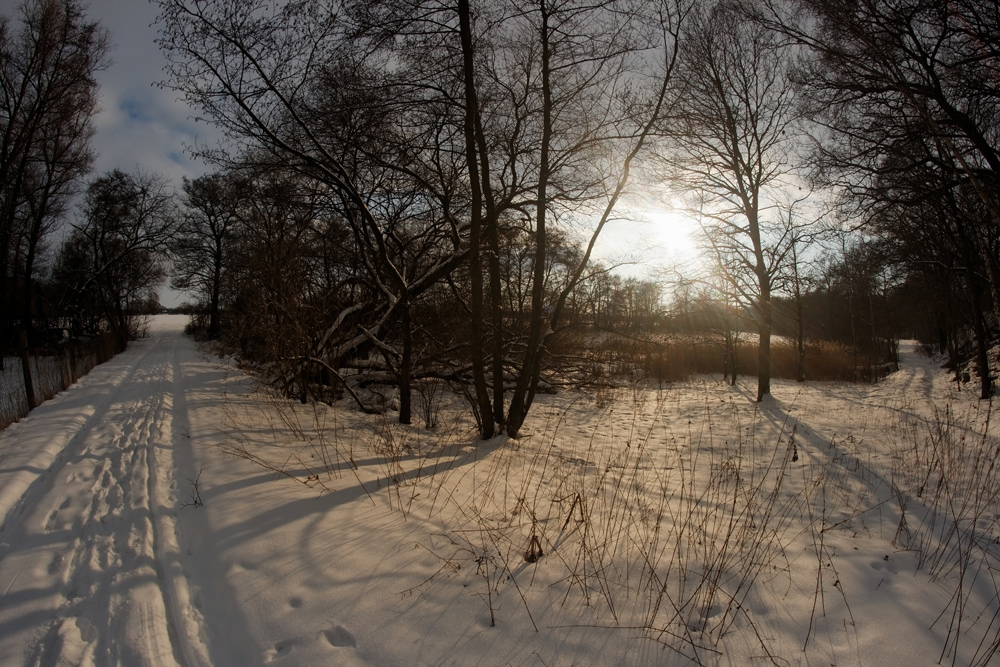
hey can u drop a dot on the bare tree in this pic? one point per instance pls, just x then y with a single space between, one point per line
883 73
288 88
730 140
47 100
559 141
432 125
113 260
204 239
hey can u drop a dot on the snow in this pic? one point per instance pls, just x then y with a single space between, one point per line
164 511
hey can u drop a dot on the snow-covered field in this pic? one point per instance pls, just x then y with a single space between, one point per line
163 512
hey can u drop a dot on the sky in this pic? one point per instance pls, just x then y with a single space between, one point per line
145 126
140 125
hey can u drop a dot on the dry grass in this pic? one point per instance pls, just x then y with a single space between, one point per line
946 484
678 358
682 529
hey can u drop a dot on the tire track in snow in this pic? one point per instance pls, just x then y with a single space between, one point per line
82 570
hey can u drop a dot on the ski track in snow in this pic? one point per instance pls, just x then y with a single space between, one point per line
89 571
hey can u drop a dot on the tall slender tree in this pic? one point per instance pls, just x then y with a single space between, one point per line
730 140
48 97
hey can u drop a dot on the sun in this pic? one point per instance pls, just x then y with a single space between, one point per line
651 237
672 236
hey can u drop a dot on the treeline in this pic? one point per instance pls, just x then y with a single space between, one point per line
412 190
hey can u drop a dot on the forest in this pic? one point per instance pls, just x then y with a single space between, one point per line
410 194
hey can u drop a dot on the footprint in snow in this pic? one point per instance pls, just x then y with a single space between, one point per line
339 636
885 565
280 650
236 567
56 564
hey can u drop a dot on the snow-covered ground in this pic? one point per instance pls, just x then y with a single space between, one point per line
162 511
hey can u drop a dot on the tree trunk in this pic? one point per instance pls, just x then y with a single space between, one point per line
978 325
496 285
28 270
763 362
763 304
764 332
800 345
982 354
483 408
970 248
530 369
730 360
213 308
492 230
29 386
405 363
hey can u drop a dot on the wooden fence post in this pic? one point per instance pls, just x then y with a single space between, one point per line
29 386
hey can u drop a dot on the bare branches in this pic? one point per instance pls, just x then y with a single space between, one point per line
730 139
48 96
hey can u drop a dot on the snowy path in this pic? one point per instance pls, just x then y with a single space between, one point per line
89 570
104 560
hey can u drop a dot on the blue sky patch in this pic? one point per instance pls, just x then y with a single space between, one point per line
135 111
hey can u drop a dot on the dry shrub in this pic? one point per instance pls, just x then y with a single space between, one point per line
590 358
944 481
664 359
673 359
825 361
829 361
429 392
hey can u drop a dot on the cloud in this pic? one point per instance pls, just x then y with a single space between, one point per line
140 125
